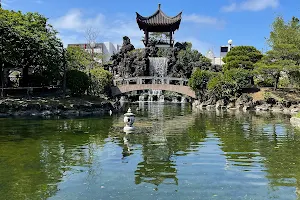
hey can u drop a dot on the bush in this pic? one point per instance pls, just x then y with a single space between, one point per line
284 82
199 79
78 82
242 78
222 87
263 82
101 81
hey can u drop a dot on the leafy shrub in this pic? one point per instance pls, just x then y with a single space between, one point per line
267 95
78 82
199 79
241 77
101 81
222 87
284 82
263 82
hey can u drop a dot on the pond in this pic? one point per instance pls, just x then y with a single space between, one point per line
174 154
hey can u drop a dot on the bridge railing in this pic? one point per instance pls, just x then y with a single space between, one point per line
150 80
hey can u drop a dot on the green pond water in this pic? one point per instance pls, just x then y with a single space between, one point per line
174 154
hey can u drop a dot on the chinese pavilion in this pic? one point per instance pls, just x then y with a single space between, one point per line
159 22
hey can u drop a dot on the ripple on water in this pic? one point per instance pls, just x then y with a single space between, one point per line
175 155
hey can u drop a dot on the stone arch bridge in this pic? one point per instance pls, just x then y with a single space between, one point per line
179 85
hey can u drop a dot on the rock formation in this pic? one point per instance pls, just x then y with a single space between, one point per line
131 62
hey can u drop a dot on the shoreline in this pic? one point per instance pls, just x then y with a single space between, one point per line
56 107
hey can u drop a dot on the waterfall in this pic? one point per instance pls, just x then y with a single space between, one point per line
174 100
141 98
158 66
150 97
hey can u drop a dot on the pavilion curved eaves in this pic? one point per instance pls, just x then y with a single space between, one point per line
158 22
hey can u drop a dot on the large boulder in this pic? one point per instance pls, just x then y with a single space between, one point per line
264 107
243 100
127 46
221 103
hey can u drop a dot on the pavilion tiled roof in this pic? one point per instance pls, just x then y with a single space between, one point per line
159 20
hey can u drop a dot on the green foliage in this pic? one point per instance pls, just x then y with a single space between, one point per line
229 84
27 40
285 39
297 115
78 82
242 57
101 81
267 95
241 77
222 87
189 59
285 54
284 82
199 79
78 58
270 69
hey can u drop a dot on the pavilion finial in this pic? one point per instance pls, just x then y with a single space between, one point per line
159 6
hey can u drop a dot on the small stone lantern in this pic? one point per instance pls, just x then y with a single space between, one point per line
129 120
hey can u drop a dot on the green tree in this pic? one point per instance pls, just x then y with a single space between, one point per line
101 81
242 57
78 82
190 59
222 87
28 41
285 54
241 77
78 58
271 69
285 39
285 43
198 81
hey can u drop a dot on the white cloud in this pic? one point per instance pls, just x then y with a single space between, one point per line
75 23
204 20
199 19
199 45
6 3
251 5
39 1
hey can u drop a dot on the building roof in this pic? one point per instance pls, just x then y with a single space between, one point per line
158 21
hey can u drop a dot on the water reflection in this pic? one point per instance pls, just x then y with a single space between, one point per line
180 155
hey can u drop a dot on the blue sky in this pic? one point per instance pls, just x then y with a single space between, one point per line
207 24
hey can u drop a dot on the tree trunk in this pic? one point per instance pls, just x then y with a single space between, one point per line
276 82
64 75
25 76
64 82
2 79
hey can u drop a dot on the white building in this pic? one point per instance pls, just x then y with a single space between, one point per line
214 60
106 49
223 51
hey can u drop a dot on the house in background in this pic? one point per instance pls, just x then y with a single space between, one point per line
106 49
223 51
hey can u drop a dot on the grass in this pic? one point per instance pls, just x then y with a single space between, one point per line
297 115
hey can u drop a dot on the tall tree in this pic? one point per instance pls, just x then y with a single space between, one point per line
242 57
189 59
285 54
30 42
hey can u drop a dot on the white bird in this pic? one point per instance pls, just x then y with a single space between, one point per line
110 112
